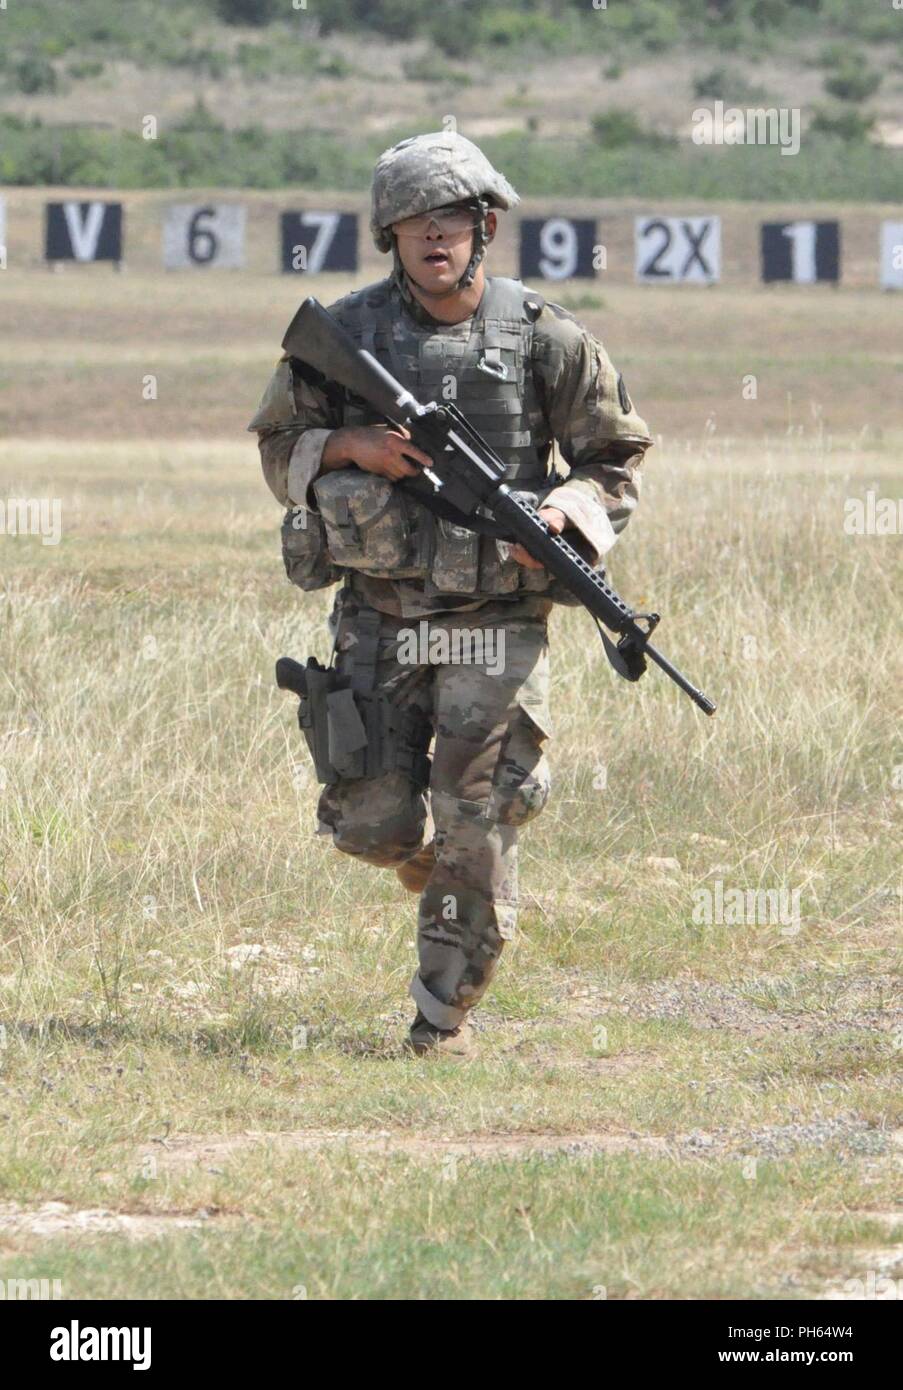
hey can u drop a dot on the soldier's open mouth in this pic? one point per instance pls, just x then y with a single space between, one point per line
437 258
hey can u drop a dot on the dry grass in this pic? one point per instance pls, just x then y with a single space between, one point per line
156 811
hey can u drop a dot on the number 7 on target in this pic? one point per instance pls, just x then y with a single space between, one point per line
318 241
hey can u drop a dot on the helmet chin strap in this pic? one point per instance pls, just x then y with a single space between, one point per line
480 242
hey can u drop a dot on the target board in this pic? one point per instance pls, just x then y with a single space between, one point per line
83 232
318 241
677 250
204 236
558 248
891 255
802 253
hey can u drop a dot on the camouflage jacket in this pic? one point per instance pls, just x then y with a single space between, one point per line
576 399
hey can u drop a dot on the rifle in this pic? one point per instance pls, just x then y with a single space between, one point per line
466 484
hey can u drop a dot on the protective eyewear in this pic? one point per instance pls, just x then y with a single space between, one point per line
450 221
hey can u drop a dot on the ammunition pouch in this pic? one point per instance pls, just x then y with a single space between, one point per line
304 551
370 524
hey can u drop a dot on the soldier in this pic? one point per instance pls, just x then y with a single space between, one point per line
525 373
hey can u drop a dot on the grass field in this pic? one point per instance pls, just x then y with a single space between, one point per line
201 1082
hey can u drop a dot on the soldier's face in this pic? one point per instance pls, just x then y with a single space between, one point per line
436 248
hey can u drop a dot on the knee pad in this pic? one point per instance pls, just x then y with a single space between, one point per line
519 802
378 819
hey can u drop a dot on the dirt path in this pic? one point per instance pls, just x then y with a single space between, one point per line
854 1136
52 1219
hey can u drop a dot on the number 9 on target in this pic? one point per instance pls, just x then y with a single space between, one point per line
557 248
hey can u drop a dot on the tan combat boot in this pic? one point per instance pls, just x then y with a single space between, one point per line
426 1040
415 872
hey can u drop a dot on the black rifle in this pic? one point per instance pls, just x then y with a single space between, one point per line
466 484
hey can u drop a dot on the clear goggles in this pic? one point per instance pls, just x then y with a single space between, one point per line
450 220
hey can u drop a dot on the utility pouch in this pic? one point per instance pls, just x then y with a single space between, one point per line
367 524
456 565
304 552
346 734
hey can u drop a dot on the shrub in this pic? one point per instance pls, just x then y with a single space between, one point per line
616 129
397 19
199 120
334 65
853 82
84 71
727 85
516 29
210 62
458 36
255 61
259 61
874 23
833 55
53 46
251 12
651 22
842 122
434 67
203 153
34 74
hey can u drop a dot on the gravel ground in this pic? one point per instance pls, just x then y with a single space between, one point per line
855 1003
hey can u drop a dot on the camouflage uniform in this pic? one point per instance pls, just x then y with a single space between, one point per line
546 379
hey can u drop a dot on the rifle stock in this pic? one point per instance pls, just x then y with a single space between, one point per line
314 337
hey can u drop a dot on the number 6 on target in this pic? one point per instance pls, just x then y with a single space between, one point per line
198 236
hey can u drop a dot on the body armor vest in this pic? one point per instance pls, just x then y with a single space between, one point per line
487 372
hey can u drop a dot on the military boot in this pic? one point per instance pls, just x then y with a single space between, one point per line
426 1040
415 872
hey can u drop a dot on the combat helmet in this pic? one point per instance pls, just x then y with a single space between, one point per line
430 171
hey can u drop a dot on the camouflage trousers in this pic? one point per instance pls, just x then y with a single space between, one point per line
489 710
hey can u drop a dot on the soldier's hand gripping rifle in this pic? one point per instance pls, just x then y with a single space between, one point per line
465 484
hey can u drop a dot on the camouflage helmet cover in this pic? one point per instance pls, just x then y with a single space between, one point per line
429 171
